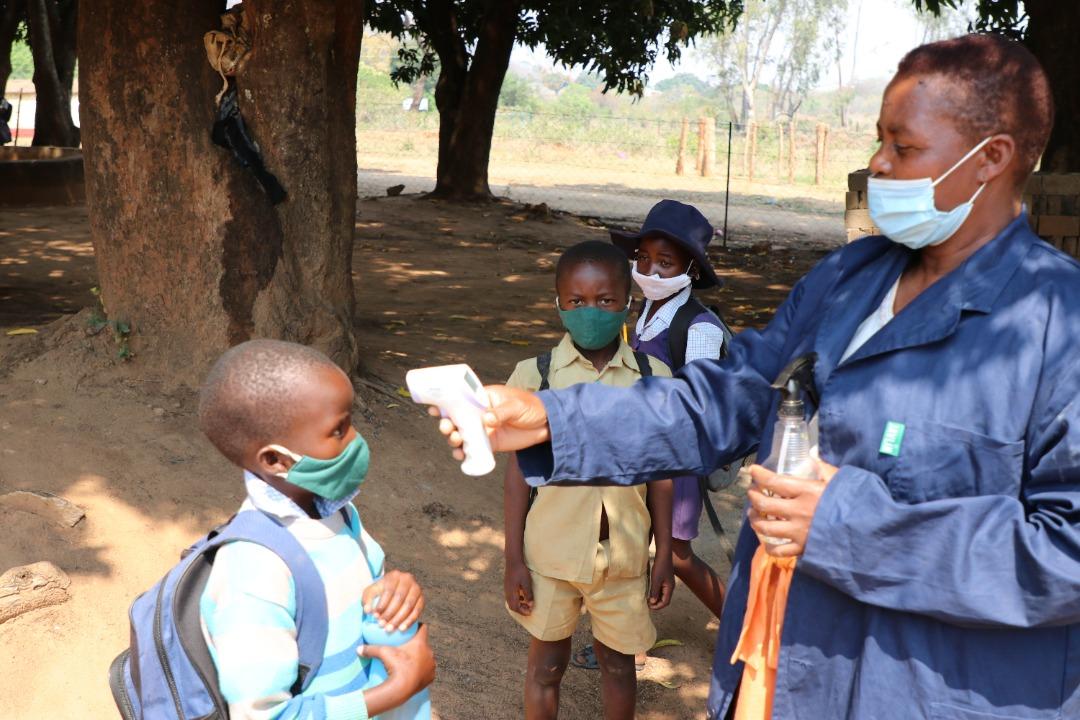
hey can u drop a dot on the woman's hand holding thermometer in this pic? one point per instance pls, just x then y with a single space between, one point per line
457 393
511 419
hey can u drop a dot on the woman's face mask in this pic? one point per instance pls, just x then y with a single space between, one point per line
905 212
590 327
334 479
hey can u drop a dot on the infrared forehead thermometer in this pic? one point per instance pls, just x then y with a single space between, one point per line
458 394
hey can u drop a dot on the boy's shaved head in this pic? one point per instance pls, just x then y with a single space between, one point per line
245 401
598 253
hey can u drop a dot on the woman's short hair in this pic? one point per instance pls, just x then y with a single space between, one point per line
1003 89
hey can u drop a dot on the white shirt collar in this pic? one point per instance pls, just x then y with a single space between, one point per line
267 499
663 317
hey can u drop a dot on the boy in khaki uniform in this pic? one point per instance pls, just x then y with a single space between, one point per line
587 546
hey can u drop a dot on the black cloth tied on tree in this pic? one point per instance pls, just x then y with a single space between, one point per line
231 133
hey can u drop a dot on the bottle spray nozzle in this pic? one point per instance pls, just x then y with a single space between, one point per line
796 377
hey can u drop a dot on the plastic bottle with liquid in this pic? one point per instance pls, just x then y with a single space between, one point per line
790 451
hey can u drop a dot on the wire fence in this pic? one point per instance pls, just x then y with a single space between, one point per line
803 152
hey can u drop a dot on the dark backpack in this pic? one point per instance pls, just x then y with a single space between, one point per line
679 330
167 672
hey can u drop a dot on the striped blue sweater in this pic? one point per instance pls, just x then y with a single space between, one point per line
249 606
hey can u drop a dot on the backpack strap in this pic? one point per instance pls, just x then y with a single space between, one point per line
643 365
543 366
679 329
311 610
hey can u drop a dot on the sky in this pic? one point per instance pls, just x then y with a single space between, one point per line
886 30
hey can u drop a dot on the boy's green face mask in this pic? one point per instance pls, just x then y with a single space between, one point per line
334 479
592 328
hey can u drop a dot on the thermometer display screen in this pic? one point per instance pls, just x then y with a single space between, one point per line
472 382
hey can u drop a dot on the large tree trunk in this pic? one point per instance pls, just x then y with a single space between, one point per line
9 22
1053 27
189 249
467 95
53 124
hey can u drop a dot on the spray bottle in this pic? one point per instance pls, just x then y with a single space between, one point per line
790 451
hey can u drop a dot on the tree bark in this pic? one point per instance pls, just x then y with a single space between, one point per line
467 95
1053 27
53 124
189 249
9 22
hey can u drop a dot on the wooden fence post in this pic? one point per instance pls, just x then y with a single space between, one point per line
779 150
791 153
710 147
751 139
699 159
817 154
824 149
680 163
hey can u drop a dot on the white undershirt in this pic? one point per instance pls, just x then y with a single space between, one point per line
866 330
873 322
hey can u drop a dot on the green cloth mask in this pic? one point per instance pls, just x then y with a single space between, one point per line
593 328
333 479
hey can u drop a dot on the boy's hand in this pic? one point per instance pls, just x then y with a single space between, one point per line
400 600
517 420
661 582
517 588
411 668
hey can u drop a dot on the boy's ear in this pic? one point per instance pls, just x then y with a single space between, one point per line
271 461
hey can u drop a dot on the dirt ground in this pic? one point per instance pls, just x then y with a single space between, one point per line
435 284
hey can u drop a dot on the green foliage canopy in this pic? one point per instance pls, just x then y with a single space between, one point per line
619 40
1007 17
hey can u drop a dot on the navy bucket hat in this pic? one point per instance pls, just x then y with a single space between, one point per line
683 225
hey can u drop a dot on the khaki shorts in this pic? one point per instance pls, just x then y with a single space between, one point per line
618 607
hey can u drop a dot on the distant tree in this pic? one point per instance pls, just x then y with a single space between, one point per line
742 56
518 94
472 40
1049 28
683 81
783 40
574 100
805 51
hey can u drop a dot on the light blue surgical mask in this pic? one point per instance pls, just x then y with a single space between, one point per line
905 212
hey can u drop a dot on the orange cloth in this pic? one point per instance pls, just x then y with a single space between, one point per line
759 642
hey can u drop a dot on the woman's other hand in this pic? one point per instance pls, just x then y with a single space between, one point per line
789 510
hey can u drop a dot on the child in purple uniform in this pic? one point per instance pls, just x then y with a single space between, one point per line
669 261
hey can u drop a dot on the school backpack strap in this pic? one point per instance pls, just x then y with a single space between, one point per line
679 330
643 365
312 622
167 671
543 366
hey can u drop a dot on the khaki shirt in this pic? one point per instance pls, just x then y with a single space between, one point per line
562 529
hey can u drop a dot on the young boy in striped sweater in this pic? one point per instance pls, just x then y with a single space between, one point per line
283 413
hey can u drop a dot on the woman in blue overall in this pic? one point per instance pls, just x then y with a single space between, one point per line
938 570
